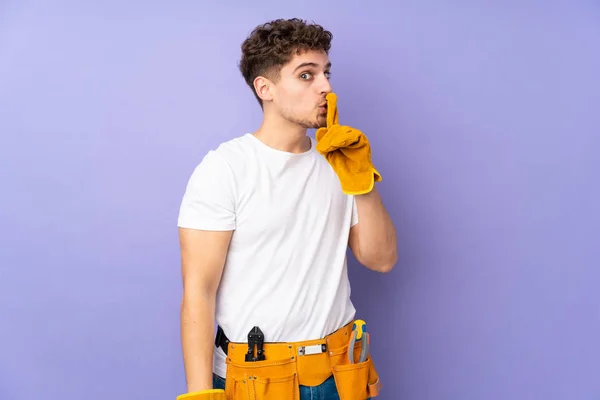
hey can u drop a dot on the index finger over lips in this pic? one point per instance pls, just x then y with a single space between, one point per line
332 112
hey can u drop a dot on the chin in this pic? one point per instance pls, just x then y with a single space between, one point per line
319 124
314 124
309 123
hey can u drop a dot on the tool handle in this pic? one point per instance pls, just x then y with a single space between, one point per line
351 347
364 351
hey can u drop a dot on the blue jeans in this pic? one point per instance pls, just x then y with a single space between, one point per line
325 391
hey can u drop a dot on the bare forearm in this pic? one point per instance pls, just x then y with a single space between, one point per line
376 235
197 339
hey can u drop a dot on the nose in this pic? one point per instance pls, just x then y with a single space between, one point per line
325 86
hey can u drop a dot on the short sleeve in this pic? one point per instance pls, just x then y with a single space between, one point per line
354 213
209 199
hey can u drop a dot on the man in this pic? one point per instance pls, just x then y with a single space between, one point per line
264 226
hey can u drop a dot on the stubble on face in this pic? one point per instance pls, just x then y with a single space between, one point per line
300 94
319 120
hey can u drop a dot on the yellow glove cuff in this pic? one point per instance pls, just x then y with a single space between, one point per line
211 394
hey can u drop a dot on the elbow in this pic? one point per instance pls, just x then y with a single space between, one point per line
387 267
195 299
382 263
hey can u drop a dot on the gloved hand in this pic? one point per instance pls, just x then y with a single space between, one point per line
212 394
348 152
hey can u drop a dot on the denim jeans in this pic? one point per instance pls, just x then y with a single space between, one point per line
325 391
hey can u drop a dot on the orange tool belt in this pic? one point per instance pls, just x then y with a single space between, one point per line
287 365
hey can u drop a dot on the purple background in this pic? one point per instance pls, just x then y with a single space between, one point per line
484 119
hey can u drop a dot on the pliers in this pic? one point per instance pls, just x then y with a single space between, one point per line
359 333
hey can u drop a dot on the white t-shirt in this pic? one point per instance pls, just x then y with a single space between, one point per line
286 267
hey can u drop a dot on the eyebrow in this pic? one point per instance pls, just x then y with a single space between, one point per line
311 64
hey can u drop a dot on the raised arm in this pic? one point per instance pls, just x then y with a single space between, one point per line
203 255
373 239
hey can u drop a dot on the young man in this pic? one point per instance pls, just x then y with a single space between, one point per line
264 226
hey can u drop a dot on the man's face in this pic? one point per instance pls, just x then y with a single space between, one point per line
299 95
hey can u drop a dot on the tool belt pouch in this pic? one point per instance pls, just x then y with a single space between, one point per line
354 381
279 374
262 380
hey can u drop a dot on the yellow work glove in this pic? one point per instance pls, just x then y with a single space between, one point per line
211 394
348 152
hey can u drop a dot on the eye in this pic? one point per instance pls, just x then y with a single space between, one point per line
305 75
328 74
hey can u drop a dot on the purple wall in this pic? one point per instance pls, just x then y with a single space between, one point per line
485 125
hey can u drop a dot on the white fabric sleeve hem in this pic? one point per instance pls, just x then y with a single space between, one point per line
354 213
209 199
205 227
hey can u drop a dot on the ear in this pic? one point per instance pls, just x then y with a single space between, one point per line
263 86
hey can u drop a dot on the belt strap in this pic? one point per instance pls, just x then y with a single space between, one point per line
221 340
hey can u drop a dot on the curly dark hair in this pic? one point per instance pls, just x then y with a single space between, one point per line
272 45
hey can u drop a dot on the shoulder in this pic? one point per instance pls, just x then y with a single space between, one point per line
232 153
226 154
232 149
223 168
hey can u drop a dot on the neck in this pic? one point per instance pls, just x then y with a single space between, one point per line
283 135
